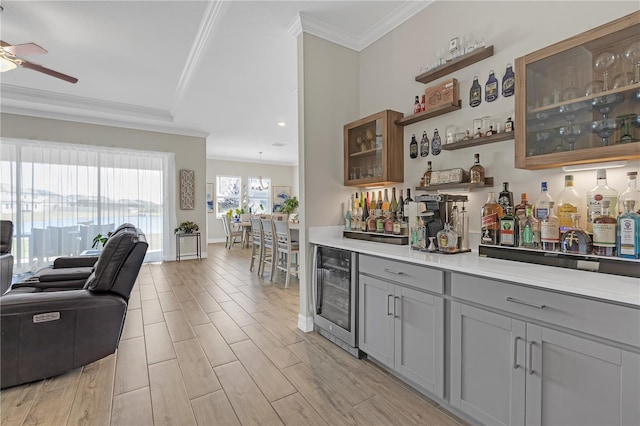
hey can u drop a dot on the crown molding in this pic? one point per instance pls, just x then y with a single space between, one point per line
307 24
211 17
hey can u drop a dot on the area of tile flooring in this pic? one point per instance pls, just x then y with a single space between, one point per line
208 342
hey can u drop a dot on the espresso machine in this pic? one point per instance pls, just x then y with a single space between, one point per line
435 211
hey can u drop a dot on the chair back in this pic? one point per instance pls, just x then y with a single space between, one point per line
280 216
119 263
226 225
6 236
283 234
267 232
256 230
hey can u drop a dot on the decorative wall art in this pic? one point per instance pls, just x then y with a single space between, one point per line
187 190
280 195
209 198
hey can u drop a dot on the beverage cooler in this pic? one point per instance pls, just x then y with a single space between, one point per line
335 290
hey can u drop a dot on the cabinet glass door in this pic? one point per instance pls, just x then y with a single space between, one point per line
334 286
364 151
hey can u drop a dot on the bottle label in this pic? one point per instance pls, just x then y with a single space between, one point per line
489 220
527 235
379 225
604 234
549 232
507 232
491 91
564 216
508 86
628 232
594 207
504 202
541 212
396 228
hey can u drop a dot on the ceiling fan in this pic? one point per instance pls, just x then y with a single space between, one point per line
9 59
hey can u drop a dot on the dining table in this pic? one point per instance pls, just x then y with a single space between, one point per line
246 231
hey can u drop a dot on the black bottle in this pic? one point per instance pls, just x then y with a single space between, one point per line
491 88
505 199
413 147
424 145
475 94
436 143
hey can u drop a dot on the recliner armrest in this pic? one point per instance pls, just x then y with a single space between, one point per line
74 262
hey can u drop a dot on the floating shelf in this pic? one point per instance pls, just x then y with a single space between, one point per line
428 114
461 62
505 136
488 182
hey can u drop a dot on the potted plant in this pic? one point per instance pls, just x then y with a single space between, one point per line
187 228
100 240
289 205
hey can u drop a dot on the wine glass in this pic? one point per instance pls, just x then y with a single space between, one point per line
604 128
632 54
603 62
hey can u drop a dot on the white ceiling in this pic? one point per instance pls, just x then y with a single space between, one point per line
225 70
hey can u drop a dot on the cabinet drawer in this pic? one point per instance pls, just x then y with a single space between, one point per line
606 320
420 277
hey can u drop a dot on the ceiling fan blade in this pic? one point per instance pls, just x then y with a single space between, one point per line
48 71
24 49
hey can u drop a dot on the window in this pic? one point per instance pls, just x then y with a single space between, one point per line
227 194
60 196
259 200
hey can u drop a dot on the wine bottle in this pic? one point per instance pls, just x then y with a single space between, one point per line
400 212
436 143
424 145
405 209
491 88
508 82
393 207
413 147
475 94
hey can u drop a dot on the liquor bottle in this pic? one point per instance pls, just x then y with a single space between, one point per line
628 232
427 175
632 193
597 195
404 226
508 126
413 147
490 131
393 206
464 221
508 82
422 104
356 214
542 203
491 88
418 234
575 240
568 201
371 221
476 173
456 224
509 229
379 221
388 223
400 211
405 209
436 143
530 230
475 94
505 199
521 209
550 230
348 207
374 204
490 226
386 204
379 202
416 106
365 214
604 232
424 145
447 239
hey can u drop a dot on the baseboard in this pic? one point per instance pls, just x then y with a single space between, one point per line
305 323
215 240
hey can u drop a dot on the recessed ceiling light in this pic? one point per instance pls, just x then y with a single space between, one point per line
281 123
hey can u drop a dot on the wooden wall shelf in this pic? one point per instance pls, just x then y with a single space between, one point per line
463 61
488 182
428 114
505 136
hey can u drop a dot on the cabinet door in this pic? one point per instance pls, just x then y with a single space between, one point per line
419 338
575 381
487 365
375 319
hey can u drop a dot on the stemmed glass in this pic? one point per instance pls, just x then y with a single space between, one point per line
602 64
605 127
632 54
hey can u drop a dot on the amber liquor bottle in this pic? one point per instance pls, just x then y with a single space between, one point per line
490 226
476 173
604 232
521 209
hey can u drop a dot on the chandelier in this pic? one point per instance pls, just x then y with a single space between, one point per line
261 186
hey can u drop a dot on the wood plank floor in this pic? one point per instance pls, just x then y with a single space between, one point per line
207 342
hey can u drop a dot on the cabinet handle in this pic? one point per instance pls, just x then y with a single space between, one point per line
515 352
389 309
393 272
531 370
524 302
395 300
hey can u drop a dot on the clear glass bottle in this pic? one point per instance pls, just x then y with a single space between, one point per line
490 225
464 220
456 224
550 230
604 231
509 229
418 234
530 231
505 199
371 221
348 217
476 173
427 175
628 232
413 147
542 203
436 143
491 88
475 94
597 195
508 82
447 239
575 239
424 145
567 202
632 193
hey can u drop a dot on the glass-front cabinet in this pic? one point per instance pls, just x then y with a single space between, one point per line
578 101
373 150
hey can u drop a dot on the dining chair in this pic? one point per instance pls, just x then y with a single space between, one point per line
269 247
230 233
257 247
286 250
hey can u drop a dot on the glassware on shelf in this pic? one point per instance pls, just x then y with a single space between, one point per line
623 79
632 54
603 62
570 91
626 132
572 131
604 128
596 86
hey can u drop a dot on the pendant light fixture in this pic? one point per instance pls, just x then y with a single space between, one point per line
261 186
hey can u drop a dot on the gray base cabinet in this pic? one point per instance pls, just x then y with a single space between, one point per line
403 329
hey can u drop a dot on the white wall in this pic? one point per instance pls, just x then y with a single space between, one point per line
190 152
388 68
280 176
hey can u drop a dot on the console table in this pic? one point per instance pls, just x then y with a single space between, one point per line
195 235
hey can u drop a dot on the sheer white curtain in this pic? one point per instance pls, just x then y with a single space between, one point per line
60 196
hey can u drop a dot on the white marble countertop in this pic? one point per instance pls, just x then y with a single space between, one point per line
613 288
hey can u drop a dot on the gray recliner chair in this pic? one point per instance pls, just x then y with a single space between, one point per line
45 333
6 258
